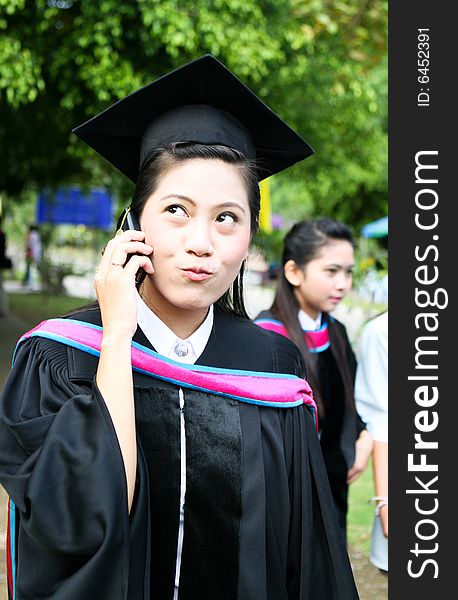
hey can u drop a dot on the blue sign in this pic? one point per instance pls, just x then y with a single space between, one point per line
74 207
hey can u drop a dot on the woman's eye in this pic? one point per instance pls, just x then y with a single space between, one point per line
227 218
177 210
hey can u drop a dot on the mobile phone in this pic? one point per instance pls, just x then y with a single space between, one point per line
130 220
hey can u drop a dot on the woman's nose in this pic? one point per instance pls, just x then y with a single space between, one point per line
343 280
199 239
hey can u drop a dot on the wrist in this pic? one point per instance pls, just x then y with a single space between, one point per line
380 507
381 502
116 338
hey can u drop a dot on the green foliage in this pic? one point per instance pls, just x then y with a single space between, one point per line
319 64
371 255
270 244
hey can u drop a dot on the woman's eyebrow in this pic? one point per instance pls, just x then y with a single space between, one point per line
178 197
339 266
231 205
228 204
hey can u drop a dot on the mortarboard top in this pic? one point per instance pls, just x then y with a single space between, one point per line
202 102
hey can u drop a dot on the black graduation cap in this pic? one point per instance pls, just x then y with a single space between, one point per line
202 102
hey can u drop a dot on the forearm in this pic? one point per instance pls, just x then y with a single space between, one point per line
380 462
114 380
114 284
380 465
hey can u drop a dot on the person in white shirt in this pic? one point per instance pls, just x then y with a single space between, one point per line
33 255
371 394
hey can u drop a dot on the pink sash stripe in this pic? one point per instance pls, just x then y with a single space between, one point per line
317 341
272 325
268 389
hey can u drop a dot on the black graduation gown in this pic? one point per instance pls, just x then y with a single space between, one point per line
341 425
259 521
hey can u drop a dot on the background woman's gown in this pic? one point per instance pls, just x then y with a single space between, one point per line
341 424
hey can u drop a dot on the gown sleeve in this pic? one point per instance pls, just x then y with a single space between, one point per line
353 365
61 465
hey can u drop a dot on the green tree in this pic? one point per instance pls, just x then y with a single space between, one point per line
318 62
334 79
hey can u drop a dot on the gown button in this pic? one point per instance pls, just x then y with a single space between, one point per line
181 349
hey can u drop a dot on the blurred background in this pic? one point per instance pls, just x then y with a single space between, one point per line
322 65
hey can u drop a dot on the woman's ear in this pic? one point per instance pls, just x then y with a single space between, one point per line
293 273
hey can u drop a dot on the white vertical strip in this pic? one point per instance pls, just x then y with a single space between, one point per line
182 494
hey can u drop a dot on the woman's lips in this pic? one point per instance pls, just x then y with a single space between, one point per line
196 274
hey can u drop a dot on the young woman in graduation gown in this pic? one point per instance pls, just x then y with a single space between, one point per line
316 274
187 476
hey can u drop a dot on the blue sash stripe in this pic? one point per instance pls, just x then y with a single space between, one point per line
12 519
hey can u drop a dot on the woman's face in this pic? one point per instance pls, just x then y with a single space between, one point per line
325 280
198 222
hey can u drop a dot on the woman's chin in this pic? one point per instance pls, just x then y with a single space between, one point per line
194 302
188 296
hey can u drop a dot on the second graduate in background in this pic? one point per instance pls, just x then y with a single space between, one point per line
316 274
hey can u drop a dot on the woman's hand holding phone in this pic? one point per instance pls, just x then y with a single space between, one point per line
115 281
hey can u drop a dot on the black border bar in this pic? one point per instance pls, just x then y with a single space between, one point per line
423 238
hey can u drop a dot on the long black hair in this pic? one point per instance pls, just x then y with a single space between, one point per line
166 158
302 244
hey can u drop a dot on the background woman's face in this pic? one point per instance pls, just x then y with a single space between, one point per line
198 222
327 279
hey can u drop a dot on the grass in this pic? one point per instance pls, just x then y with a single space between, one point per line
32 308
361 512
35 307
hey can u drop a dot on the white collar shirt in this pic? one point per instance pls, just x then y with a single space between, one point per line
307 323
165 342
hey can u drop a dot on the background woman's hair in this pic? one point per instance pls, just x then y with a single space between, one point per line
302 244
165 159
